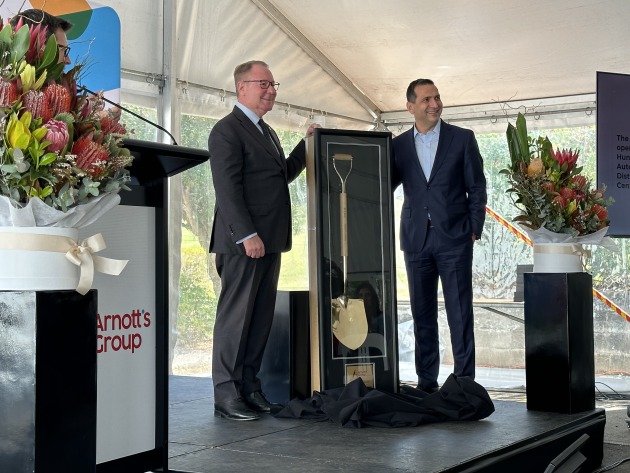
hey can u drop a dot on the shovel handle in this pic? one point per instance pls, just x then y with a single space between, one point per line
343 213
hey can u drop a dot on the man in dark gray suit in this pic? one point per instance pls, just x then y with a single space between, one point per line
252 226
441 170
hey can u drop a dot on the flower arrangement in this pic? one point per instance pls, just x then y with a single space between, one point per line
57 146
548 189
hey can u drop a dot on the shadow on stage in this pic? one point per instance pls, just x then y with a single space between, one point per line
512 439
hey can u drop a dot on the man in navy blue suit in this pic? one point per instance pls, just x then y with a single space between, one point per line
441 171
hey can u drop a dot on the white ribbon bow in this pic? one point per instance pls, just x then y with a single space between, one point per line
78 254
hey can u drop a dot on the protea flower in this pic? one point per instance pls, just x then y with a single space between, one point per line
8 93
89 154
59 98
567 156
57 134
35 102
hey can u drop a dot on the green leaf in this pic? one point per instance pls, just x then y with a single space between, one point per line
46 191
51 53
8 168
513 146
20 44
6 36
521 129
47 159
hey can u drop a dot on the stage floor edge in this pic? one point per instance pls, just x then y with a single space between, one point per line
512 439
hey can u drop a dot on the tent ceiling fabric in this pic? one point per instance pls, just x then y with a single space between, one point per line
482 52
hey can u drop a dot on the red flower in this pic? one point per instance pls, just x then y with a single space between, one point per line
567 193
90 155
560 201
578 182
110 125
601 212
59 98
567 156
548 186
57 134
8 93
35 102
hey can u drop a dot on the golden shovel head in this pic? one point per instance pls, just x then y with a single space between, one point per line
350 322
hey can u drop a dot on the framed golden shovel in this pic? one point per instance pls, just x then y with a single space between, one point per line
349 321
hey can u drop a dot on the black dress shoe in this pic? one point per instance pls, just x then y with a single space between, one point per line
430 390
235 409
259 403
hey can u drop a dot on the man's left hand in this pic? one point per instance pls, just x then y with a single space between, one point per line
311 129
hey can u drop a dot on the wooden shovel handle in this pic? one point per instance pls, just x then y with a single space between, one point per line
343 213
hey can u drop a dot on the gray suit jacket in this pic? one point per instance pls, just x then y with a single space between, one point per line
251 185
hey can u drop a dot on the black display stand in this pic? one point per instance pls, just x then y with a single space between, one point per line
351 166
559 352
285 370
153 164
48 382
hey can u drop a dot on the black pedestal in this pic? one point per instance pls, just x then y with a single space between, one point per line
559 353
48 381
285 371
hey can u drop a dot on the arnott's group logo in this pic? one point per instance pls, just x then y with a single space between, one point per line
122 332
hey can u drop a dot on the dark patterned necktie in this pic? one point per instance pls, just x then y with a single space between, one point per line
265 130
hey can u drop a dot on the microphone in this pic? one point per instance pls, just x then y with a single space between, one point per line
82 88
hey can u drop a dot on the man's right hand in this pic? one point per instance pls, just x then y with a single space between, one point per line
254 247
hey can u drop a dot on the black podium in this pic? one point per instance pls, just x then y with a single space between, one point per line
285 371
559 346
133 330
47 381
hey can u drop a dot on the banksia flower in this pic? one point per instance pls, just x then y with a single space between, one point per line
8 93
35 102
578 182
535 167
59 98
111 125
567 193
601 212
90 155
560 201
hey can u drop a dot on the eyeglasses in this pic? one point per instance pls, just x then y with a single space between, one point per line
66 50
264 84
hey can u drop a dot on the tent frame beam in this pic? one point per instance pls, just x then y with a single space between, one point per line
316 54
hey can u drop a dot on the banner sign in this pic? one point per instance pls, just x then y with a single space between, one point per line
613 147
126 335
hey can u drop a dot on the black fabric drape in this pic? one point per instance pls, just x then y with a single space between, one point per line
356 406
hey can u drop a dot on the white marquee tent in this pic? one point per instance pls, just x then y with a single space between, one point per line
347 63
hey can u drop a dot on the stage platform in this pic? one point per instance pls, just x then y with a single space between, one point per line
512 439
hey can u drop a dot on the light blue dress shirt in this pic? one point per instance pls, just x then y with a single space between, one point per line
426 147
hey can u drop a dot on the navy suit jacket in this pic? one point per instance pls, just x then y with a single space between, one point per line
454 196
251 185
